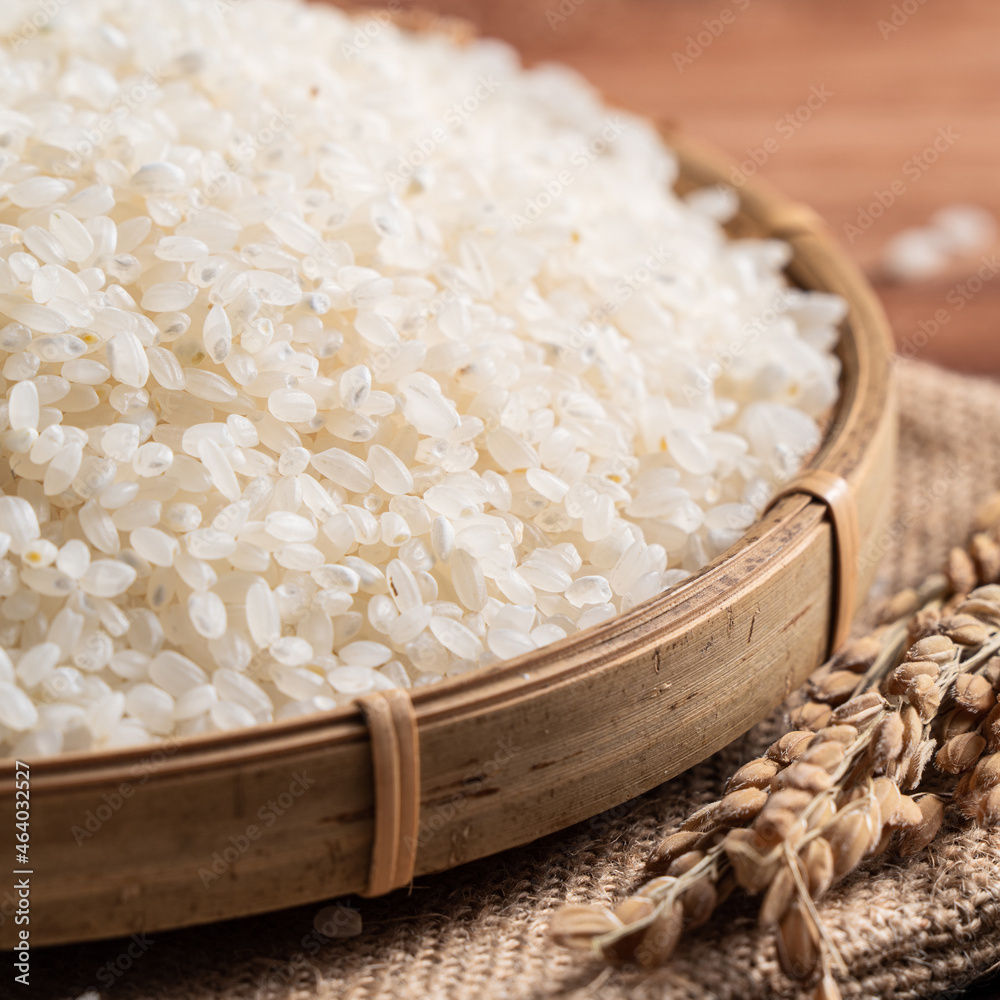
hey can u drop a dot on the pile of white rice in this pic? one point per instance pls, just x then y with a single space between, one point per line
335 358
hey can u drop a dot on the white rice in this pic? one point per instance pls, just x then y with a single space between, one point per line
336 359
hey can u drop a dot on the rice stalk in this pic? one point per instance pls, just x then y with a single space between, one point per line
843 787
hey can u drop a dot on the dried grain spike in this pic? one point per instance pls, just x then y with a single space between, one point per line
913 728
923 624
835 687
817 862
701 819
841 733
925 696
988 808
857 655
958 721
660 938
900 605
907 814
575 926
699 902
787 800
822 814
630 911
989 593
827 754
986 773
798 942
673 846
991 670
917 762
827 988
887 741
860 710
963 797
938 648
812 715
777 898
901 679
988 513
986 555
753 868
991 729
778 825
740 806
790 747
850 835
888 795
754 774
974 694
915 839
981 608
961 571
633 909
656 888
713 838
807 777
685 863
960 753
964 630
882 844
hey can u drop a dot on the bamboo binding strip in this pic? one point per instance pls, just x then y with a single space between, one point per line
834 491
395 748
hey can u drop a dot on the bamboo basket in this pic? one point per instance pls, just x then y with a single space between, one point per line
211 828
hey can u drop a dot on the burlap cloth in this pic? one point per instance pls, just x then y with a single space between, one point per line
905 930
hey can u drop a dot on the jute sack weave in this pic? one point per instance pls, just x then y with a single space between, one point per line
912 929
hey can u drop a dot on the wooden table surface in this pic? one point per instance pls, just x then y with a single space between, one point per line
892 82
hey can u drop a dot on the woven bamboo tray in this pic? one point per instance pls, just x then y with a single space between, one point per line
211 828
